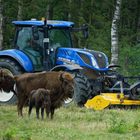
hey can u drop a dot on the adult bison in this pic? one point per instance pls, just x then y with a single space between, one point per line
61 85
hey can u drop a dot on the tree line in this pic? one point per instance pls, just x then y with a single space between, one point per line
97 14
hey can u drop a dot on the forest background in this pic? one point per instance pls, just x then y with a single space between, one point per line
97 14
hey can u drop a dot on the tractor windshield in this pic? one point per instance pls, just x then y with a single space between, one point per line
57 37
60 38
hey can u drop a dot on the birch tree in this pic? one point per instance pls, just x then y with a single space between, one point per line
49 13
1 23
19 15
114 34
69 11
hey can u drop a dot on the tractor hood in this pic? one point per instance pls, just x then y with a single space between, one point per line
83 57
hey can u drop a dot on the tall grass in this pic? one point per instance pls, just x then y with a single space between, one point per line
71 123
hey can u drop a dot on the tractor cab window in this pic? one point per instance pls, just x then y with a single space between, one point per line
32 48
25 39
59 38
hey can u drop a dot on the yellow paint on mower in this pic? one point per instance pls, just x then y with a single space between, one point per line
104 100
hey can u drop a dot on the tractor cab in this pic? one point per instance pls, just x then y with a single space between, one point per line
38 40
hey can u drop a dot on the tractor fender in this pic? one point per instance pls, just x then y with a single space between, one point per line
20 57
66 67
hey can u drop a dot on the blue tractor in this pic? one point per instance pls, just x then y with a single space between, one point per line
47 45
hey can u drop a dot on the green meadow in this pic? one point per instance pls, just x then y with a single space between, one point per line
71 123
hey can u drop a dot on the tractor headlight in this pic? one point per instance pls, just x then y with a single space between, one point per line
94 63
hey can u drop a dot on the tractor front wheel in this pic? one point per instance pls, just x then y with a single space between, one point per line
82 90
13 68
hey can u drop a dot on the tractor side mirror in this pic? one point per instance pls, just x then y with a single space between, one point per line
35 33
85 31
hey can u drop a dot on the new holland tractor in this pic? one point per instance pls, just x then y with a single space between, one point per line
46 45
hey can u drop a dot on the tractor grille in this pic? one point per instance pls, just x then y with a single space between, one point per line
85 58
100 58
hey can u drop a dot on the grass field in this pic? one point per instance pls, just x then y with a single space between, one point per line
71 123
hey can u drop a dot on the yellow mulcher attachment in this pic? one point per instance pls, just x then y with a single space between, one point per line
105 100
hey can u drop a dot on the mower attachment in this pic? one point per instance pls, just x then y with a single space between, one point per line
105 100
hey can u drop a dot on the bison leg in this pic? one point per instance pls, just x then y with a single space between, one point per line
20 105
37 112
30 109
47 111
42 112
52 112
19 108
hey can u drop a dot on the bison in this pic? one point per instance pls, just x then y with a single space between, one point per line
40 98
7 81
60 83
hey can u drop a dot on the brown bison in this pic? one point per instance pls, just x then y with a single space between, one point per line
60 83
40 98
7 81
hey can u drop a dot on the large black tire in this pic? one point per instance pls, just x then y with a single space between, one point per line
14 69
82 90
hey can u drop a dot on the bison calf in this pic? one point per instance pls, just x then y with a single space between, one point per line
40 98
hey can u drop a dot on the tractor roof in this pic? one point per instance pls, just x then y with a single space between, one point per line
53 23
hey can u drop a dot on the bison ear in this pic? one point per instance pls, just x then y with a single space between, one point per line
15 77
65 76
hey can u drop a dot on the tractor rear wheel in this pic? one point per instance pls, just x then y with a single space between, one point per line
82 90
14 69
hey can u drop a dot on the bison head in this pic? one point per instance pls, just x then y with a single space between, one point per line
67 84
6 81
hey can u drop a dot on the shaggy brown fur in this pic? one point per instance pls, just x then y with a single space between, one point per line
40 98
7 81
60 83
